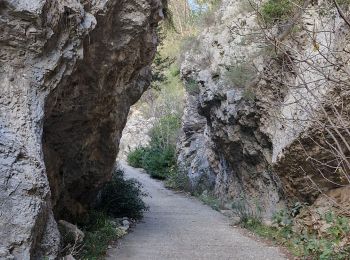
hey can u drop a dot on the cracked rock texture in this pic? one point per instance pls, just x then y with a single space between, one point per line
243 124
69 72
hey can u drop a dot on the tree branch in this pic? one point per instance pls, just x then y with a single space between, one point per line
341 13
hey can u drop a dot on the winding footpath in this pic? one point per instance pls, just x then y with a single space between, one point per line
182 228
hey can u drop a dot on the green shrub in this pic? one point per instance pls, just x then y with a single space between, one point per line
158 161
165 132
135 157
122 197
99 233
174 71
118 198
327 247
155 160
311 244
159 157
210 199
273 11
242 209
177 180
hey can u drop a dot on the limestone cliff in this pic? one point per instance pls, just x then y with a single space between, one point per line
258 104
69 71
135 133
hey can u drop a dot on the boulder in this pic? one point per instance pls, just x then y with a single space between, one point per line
70 233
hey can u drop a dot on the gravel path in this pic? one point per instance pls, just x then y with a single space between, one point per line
182 228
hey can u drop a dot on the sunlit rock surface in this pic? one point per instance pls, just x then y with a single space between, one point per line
69 71
246 135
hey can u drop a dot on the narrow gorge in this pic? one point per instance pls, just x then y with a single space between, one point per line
243 104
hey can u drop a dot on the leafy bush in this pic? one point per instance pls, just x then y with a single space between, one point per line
135 157
328 245
242 209
157 161
164 133
313 245
177 180
210 199
159 157
121 197
118 198
273 11
174 71
99 233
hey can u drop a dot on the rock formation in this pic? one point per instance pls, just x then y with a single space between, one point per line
69 72
135 133
246 133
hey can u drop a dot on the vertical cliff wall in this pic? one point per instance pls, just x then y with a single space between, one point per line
258 98
69 71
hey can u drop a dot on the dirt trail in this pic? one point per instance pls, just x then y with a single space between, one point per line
182 228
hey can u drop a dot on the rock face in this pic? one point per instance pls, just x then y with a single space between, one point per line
246 135
69 72
135 133
71 233
196 151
